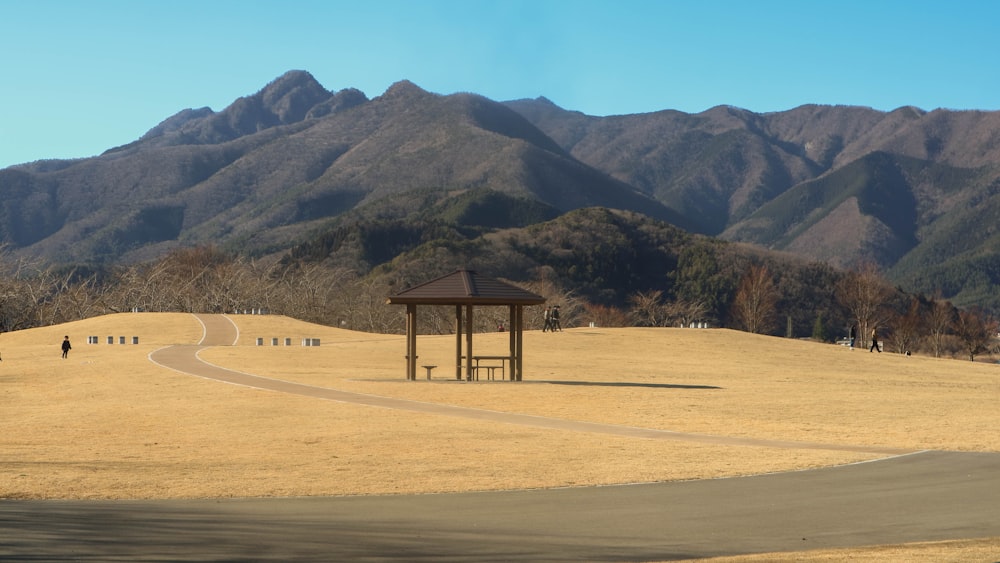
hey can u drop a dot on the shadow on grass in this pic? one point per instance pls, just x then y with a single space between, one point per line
627 384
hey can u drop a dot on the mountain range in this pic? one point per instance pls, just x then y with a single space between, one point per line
915 192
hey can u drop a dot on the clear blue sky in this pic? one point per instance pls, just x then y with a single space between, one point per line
82 76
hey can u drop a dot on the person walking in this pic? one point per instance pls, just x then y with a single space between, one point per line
854 335
875 345
66 347
554 317
547 317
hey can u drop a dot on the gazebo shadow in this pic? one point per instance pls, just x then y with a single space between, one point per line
626 384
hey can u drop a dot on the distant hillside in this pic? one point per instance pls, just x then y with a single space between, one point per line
295 164
259 174
601 256
913 191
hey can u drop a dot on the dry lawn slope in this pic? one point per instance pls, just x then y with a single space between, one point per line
108 423
982 550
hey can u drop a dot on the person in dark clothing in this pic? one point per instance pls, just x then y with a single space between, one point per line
66 347
854 335
875 345
554 319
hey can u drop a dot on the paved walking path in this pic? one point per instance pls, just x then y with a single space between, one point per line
919 497
905 498
220 331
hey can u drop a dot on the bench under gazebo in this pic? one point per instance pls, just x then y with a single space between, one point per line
465 289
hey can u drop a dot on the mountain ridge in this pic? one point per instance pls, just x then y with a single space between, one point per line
844 184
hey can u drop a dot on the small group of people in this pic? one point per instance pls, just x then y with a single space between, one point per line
874 346
551 318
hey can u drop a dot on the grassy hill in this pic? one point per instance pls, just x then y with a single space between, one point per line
107 423
165 434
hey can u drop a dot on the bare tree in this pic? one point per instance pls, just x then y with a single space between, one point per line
685 313
571 307
648 308
228 287
976 330
367 309
906 328
316 293
72 300
602 315
863 292
17 311
32 294
755 304
939 320
38 288
136 287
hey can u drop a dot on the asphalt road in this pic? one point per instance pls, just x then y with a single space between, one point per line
922 496
916 497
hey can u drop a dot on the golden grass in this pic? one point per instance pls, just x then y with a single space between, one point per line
718 382
107 423
980 550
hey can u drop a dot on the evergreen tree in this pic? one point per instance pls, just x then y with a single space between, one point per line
819 329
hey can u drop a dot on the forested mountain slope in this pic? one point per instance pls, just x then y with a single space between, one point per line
910 190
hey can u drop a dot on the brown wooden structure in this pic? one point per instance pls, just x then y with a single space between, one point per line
465 289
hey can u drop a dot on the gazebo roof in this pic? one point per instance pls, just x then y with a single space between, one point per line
466 287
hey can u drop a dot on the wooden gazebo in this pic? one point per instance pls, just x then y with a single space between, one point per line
466 289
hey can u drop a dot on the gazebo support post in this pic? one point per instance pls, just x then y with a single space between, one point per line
468 342
458 342
519 344
512 323
411 342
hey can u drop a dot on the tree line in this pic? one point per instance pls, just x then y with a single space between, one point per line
756 295
908 323
201 279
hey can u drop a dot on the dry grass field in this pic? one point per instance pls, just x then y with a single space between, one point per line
108 423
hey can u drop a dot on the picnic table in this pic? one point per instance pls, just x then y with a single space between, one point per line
491 366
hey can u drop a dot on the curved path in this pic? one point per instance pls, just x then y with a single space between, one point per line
220 331
916 497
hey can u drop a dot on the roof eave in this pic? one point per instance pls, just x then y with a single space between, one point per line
395 300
